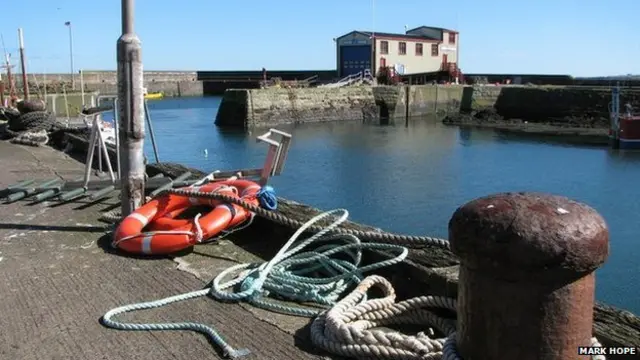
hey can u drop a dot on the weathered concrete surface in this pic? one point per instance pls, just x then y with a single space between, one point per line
58 277
110 76
168 88
55 285
558 106
401 102
69 104
171 83
573 133
273 106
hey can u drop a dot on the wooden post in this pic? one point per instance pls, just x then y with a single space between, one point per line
130 113
527 278
435 103
1 92
407 98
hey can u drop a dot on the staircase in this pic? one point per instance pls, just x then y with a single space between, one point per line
360 78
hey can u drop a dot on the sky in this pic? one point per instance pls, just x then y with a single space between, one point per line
579 38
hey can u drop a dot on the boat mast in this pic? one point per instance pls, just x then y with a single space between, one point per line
7 66
25 82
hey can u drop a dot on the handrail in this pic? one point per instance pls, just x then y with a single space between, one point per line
365 75
311 79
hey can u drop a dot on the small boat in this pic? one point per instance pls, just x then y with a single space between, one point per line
153 95
629 135
624 133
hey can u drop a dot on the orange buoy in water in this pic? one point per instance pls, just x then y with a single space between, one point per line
168 235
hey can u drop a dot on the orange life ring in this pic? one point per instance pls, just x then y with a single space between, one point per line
168 235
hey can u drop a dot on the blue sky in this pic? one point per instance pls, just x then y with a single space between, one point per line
580 38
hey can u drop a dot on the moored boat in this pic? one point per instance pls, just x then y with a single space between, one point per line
629 138
153 95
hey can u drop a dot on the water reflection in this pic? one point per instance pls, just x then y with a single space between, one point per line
624 158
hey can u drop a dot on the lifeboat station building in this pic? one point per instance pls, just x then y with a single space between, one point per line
424 49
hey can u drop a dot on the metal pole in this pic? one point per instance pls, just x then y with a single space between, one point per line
153 138
131 113
44 80
9 78
2 103
82 88
374 71
25 83
73 78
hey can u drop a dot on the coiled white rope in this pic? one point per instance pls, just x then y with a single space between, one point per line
348 328
351 327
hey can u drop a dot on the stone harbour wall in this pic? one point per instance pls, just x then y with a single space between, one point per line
171 83
275 106
579 106
168 88
585 106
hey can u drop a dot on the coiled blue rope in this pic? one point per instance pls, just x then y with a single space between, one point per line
319 275
267 198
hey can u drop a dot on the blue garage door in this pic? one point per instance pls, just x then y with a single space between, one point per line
354 59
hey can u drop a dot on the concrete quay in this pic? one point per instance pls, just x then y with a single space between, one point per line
61 275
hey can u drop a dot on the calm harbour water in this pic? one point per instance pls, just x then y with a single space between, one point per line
411 180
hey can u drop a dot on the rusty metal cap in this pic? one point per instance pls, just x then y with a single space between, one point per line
520 234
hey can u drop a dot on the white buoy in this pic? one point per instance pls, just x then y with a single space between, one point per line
206 152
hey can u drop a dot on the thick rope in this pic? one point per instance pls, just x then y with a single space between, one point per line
348 328
318 275
384 237
373 236
352 327
31 138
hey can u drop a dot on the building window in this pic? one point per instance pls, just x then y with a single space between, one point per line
402 48
434 50
452 38
418 49
384 47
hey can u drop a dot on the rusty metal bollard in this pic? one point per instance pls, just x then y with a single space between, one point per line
526 288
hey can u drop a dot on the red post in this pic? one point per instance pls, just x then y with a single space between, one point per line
527 281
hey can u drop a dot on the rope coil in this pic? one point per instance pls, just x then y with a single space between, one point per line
348 327
283 276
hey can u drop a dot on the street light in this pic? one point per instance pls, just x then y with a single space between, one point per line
73 79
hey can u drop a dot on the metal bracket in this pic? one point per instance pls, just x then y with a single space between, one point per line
276 155
96 140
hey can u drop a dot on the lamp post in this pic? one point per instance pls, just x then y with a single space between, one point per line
131 113
73 78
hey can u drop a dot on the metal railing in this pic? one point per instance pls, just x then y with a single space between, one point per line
362 76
